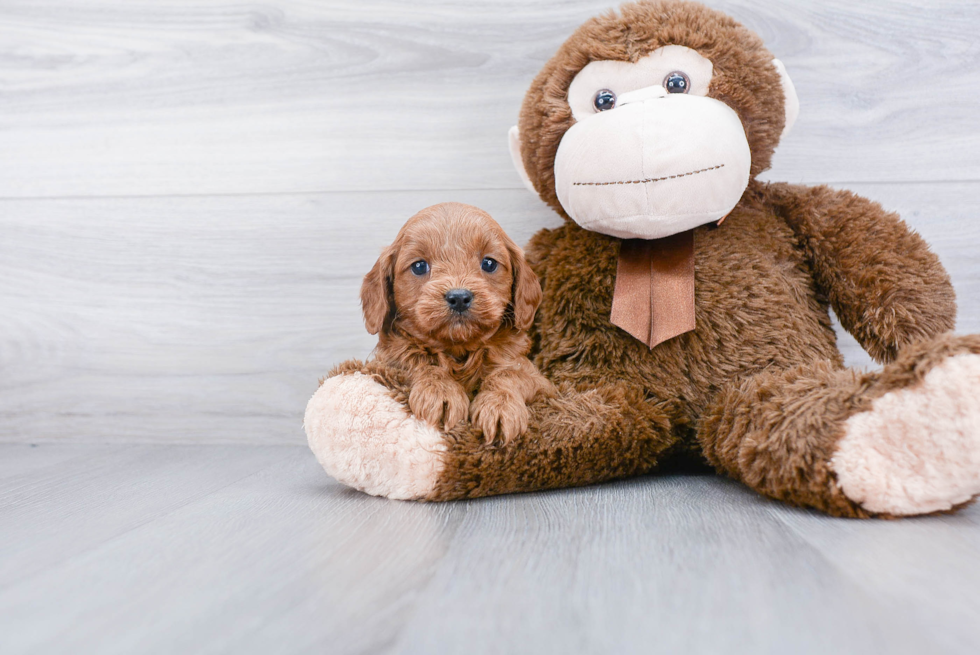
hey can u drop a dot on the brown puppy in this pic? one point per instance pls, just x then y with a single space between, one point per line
452 298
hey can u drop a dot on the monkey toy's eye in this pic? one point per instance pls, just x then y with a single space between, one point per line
489 265
604 99
677 82
421 267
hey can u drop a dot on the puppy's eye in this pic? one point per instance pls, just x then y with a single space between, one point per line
604 99
421 267
489 265
677 82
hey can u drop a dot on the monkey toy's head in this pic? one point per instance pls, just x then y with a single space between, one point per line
652 121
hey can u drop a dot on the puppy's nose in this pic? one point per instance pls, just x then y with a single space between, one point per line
459 300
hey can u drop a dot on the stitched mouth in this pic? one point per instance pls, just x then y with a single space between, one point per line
650 179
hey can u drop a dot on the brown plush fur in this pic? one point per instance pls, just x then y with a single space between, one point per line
873 290
758 389
449 355
803 410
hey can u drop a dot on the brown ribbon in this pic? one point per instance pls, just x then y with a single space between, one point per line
654 295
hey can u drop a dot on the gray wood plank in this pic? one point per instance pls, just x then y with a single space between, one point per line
663 564
281 559
24 460
923 570
211 575
88 495
213 96
210 319
191 319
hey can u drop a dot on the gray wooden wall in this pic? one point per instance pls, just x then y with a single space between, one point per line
191 191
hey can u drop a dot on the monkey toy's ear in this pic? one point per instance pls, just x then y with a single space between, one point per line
515 155
526 290
791 102
377 292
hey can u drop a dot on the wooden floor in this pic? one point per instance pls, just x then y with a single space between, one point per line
190 193
248 549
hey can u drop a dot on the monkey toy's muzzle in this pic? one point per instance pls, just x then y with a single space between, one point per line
655 165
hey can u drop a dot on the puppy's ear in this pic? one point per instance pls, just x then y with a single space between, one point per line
378 292
526 290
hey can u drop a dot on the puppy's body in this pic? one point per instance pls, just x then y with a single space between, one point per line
451 299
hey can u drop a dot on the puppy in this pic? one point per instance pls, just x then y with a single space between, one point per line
452 299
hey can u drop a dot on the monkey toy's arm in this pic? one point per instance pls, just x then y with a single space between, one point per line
885 285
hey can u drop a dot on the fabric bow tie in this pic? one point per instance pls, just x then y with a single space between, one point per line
654 295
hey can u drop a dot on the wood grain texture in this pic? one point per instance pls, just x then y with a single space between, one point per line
190 192
191 319
136 307
112 490
184 320
217 97
671 564
901 563
254 550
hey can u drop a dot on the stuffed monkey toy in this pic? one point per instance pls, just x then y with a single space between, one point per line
685 311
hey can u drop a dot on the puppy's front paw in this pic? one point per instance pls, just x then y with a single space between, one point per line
439 403
495 412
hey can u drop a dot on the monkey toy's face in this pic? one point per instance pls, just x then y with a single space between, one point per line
650 154
646 136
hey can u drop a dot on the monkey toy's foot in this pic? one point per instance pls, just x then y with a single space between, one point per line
366 439
916 450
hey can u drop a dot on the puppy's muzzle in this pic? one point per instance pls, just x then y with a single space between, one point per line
459 300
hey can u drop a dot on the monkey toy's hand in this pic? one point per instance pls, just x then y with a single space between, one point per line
440 402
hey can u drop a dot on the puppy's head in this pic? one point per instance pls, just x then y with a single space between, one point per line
451 277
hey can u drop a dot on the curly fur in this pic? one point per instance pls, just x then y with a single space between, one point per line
450 356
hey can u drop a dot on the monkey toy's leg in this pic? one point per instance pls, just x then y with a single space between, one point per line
362 433
901 441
